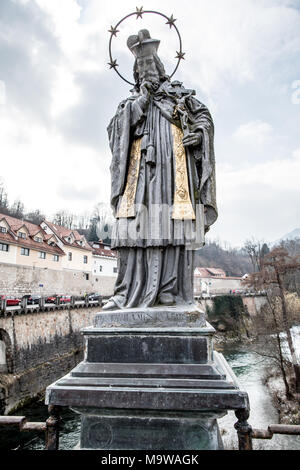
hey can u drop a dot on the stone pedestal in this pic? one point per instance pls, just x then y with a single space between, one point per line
150 380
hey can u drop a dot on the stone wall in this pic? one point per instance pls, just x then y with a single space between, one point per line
104 285
254 304
40 348
221 285
18 280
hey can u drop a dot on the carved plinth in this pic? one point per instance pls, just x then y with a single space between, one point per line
146 372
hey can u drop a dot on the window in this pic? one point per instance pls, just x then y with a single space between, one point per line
55 258
115 270
87 277
25 251
3 247
38 239
70 256
85 259
42 255
3 229
21 235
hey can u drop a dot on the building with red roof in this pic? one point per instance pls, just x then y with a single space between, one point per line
27 244
105 262
51 258
213 281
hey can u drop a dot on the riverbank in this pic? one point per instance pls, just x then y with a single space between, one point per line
288 409
284 411
229 339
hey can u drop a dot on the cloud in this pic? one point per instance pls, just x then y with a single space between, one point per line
48 172
2 92
83 192
28 50
261 200
254 133
242 58
85 122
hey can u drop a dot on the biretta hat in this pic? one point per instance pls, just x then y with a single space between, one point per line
142 45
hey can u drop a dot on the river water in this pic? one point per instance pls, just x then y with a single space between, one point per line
249 369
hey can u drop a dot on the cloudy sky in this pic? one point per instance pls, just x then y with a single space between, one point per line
57 96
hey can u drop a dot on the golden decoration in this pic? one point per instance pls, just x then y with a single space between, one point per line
127 207
182 208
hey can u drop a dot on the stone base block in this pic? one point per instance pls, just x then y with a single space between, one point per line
149 431
150 380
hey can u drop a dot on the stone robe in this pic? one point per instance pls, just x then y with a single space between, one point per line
163 197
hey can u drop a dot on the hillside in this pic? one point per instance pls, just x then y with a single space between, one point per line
289 236
232 261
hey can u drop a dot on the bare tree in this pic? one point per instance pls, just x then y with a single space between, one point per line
266 322
17 209
275 266
4 206
83 221
64 219
102 222
263 252
35 217
256 250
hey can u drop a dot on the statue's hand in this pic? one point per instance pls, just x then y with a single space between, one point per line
146 88
191 139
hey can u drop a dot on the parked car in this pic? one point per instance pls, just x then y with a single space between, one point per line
11 301
32 299
51 299
64 299
94 296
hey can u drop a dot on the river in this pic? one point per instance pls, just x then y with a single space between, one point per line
249 369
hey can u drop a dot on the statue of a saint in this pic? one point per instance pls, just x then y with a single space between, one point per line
163 184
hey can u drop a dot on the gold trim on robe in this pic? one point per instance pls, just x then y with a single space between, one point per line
127 207
182 208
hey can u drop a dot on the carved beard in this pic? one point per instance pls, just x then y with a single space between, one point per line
153 78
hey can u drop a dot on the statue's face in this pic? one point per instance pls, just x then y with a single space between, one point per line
147 69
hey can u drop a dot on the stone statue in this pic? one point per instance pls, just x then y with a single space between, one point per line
149 363
162 184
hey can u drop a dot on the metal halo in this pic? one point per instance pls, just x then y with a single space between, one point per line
139 12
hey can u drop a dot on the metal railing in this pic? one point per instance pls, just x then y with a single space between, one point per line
246 433
50 427
43 306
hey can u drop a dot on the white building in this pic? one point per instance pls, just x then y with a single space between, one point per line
105 268
213 281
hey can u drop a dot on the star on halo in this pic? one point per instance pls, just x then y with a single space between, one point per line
180 55
171 21
113 31
139 12
113 64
